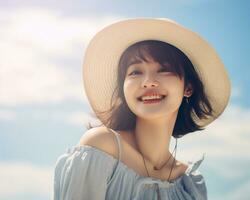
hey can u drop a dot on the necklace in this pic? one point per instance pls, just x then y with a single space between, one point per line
157 186
163 164
155 168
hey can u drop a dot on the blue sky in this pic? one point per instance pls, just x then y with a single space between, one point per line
43 107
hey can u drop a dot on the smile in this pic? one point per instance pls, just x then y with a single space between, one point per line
152 101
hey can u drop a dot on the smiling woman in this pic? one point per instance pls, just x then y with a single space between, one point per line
167 58
145 86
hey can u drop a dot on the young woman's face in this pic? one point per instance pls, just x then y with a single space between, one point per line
145 76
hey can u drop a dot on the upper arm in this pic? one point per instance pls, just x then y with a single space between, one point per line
100 138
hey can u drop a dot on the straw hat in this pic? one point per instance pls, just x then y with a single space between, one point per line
106 47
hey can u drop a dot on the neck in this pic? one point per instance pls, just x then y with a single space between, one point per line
152 138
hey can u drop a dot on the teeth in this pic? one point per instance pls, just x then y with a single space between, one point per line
152 97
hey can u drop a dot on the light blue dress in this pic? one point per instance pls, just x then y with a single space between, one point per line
86 172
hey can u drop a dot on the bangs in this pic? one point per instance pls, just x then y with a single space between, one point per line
168 56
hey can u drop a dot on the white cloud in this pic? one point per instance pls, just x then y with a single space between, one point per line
75 118
25 178
7 115
32 41
241 192
81 118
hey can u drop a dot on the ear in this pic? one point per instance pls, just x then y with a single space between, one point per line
188 90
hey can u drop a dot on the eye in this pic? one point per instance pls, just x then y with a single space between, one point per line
133 72
160 70
164 70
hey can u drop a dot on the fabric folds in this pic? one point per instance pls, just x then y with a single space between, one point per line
85 172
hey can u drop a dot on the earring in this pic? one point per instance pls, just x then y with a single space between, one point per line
187 100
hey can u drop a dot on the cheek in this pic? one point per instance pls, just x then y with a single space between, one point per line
175 87
130 91
128 86
127 89
178 92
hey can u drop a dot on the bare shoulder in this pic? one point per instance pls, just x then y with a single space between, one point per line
100 138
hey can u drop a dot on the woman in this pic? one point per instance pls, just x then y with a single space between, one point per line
146 80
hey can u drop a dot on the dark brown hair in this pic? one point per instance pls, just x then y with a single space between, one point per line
119 117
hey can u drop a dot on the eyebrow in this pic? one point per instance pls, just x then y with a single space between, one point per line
134 62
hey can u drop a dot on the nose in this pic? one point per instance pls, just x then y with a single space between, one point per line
149 82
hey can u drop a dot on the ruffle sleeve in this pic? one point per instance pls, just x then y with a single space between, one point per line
82 174
193 184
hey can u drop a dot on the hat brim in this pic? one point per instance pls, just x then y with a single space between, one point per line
106 47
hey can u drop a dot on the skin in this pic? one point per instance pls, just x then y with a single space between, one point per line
155 122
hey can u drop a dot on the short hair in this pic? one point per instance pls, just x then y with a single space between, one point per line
120 117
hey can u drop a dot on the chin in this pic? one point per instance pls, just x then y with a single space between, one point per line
150 116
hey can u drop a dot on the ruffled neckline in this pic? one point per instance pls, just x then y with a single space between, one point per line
192 165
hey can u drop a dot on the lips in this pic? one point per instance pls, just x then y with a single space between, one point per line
151 92
152 101
140 98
